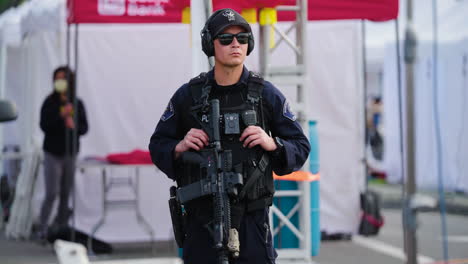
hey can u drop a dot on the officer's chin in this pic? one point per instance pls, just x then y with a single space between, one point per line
235 63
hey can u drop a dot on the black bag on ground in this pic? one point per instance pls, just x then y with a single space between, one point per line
371 219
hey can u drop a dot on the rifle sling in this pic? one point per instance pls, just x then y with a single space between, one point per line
258 171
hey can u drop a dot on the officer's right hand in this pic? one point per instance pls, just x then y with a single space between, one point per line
195 139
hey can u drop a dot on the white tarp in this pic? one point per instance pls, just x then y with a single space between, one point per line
452 88
10 28
452 99
126 75
30 17
452 23
336 101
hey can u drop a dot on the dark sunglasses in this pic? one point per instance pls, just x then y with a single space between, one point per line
226 39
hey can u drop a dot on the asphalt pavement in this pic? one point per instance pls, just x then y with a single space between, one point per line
385 248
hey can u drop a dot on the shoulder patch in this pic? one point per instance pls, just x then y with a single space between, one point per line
287 111
168 113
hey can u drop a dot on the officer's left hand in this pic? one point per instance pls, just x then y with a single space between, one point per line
254 135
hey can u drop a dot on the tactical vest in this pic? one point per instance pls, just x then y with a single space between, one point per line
252 163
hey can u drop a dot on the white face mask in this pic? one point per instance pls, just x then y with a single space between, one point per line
60 85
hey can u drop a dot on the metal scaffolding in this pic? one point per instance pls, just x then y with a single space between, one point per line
291 76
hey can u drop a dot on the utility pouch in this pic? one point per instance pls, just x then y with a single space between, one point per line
177 217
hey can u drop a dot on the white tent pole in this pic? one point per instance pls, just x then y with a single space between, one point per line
199 12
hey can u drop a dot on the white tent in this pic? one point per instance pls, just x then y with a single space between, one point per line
127 74
379 34
451 97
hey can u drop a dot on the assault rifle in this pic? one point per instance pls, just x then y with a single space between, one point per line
220 182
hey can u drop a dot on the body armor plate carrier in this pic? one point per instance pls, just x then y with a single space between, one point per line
253 164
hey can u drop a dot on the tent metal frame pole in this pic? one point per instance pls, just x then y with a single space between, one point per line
364 99
439 153
74 145
75 131
67 135
293 75
199 13
400 105
68 62
409 213
67 43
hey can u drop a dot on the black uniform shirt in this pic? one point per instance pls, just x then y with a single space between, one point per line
173 126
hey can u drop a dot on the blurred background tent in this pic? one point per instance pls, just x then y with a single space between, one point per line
451 44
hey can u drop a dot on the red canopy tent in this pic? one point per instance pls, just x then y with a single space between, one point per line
170 11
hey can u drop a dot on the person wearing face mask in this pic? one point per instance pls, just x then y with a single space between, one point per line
57 121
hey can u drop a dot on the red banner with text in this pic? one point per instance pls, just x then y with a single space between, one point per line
125 11
170 11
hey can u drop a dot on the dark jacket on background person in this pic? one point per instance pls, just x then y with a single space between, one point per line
53 125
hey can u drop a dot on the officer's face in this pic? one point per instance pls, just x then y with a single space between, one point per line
233 54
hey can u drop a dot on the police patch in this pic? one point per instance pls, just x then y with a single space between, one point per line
287 111
168 113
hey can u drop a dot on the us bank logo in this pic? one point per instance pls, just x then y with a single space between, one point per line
111 7
132 7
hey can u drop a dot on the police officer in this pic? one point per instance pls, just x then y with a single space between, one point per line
256 124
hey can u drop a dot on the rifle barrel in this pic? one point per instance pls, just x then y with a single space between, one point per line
215 121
